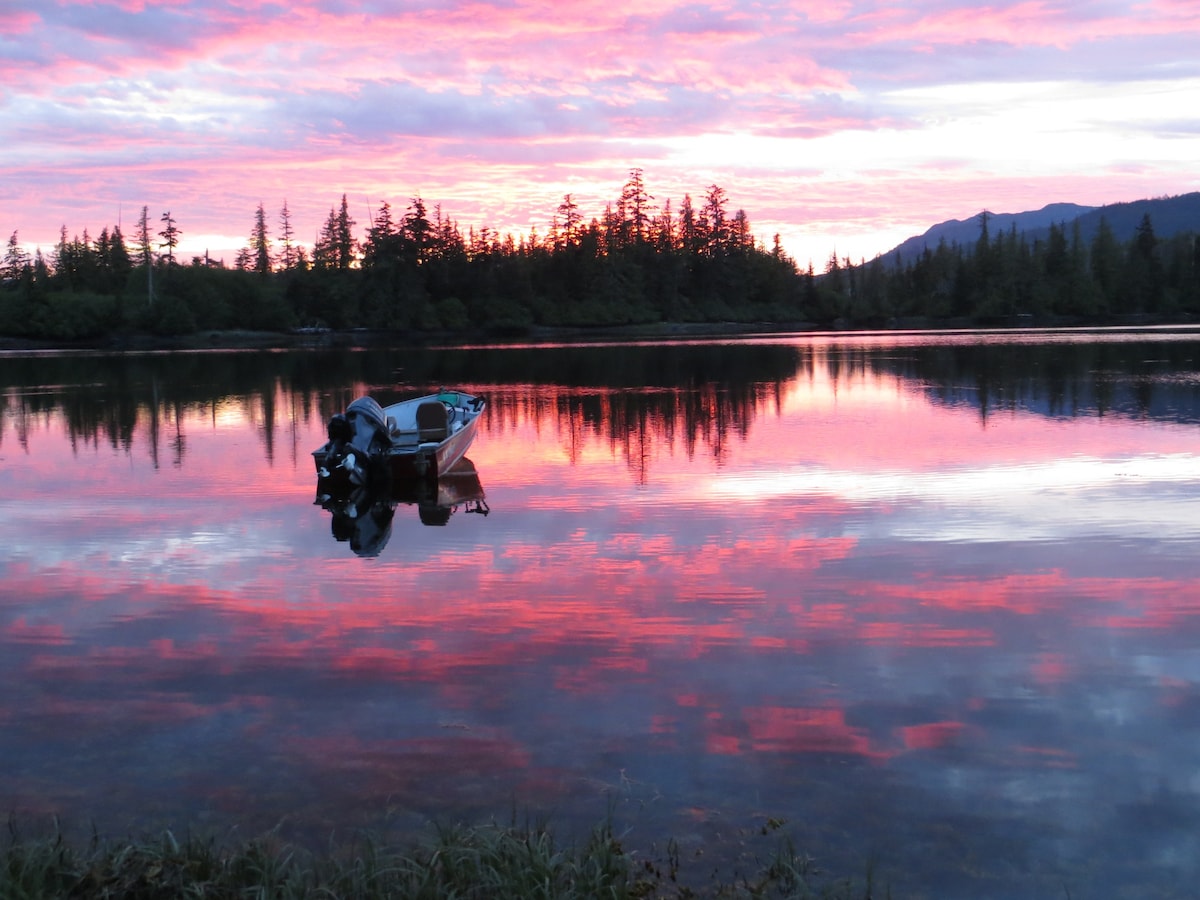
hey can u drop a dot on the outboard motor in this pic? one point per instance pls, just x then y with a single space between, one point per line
358 440
340 429
340 455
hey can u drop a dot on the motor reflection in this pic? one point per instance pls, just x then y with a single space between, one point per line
362 515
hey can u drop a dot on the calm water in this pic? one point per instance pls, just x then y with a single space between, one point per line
931 600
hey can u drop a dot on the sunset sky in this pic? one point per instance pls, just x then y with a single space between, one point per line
842 125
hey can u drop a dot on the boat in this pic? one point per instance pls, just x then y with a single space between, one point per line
362 515
418 438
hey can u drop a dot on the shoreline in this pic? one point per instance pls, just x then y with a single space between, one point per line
245 339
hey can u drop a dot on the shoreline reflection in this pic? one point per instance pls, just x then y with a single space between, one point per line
924 600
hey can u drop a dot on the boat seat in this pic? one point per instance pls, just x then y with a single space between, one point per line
432 421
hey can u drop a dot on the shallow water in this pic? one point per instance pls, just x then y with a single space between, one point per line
930 599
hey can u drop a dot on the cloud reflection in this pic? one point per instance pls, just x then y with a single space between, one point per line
764 594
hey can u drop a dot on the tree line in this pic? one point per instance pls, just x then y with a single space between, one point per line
637 262
1008 278
412 270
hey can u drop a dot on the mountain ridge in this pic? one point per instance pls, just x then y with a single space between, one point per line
1168 217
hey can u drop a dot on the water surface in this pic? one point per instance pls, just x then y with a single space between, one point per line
931 599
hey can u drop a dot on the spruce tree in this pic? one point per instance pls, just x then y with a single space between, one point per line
260 243
287 236
16 260
170 235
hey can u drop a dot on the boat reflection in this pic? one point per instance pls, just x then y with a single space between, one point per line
362 516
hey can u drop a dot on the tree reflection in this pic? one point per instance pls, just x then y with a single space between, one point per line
640 400
1063 377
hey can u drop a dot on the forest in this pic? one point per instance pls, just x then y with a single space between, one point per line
636 263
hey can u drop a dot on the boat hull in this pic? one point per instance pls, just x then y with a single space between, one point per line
419 438
430 462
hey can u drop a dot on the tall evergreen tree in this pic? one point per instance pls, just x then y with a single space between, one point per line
381 247
345 246
740 237
665 236
1105 259
170 235
118 256
41 272
418 231
145 248
689 231
64 259
325 247
635 203
260 243
572 219
1143 269
287 236
16 260
714 213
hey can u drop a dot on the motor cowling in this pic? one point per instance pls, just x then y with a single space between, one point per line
357 443
340 430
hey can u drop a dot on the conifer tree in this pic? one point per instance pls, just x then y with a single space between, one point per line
118 256
286 236
146 251
144 247
664 229
1144 271
1105 259
16 260
63 263
380 246
572 219
689 230
170 236
418 232
635 205
344 245
325 246
260 243
714 213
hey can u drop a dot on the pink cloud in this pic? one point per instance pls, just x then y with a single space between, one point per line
20 22
1022 24
496 111
932 735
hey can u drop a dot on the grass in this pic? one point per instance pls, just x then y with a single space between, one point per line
492 861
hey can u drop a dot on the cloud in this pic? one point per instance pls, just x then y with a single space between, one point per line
509 105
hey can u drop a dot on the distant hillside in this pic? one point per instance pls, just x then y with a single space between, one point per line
1168 215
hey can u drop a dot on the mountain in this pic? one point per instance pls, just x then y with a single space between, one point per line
1168 216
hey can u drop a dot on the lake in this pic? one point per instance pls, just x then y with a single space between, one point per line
931 601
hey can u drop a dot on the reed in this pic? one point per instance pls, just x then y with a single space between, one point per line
496 862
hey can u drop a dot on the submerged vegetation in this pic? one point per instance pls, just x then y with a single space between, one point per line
640 262
494 862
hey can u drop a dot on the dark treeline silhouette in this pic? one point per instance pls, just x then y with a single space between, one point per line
637 263
1007 278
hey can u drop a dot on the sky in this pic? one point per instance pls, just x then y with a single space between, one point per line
843 126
